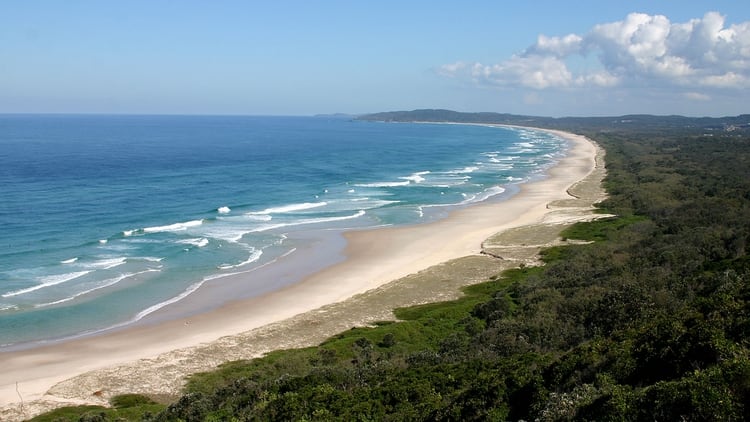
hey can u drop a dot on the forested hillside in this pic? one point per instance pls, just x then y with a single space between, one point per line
650 321
631 123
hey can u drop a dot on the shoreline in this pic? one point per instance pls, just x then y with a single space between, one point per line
373 259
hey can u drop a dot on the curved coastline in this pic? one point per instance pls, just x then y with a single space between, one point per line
373 259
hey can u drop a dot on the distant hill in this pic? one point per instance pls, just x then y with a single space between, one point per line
640 121
336 116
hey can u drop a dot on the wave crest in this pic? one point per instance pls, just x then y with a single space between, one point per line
289 208
48 281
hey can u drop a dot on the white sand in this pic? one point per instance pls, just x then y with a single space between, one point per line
374 258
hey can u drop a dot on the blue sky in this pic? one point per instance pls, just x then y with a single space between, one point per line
547 58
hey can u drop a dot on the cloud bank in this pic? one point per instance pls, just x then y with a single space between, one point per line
641 50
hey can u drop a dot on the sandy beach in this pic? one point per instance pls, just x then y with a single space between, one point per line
384 268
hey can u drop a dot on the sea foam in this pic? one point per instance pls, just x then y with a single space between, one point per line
320 220
416 177
151 309
383 184
290 208
48 281
106 263
469 169
176 227
173 227
101 285
254 256
198 242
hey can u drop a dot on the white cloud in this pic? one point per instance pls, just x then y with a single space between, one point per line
451 69
557 46
599 79
534 71
640 50
727 80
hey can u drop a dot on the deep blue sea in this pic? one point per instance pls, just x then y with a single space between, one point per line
107 219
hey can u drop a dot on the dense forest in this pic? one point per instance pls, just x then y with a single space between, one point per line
648 321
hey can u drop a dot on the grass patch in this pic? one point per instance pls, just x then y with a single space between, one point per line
599 230
422 327
129 407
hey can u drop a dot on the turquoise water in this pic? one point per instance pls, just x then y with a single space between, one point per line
105 220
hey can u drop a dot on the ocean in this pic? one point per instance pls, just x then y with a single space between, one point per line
106 220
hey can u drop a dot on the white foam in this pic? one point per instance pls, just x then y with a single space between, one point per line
470 169
359 213
48 281
198 242
446 180
69 261
467 198
232 229
192 288
168 228
489 193
119 247
375 203
416 177
104 284
148 258
497 166
470 198
258 217
355 204
290 208
102 241
254 256
223 275
107 263
383 184
223 210
173 227
233 236
142 240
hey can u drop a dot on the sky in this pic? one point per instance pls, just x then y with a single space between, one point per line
284 57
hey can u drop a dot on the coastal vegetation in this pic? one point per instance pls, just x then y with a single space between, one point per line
647 320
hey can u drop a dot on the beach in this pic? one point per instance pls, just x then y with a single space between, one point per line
381 269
